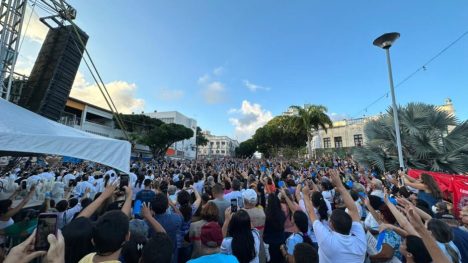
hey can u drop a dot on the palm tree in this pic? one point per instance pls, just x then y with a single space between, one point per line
431 138
310 118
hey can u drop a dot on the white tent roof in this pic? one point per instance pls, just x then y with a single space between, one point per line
24 131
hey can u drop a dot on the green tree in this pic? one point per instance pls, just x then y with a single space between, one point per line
278 136
160 138
310 118
246 149
426 142
201 140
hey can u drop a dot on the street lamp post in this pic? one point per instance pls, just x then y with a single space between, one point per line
385 41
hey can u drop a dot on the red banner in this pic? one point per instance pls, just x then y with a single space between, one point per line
451 185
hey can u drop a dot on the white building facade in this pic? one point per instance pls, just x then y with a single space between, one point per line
217 146
182 149
350 133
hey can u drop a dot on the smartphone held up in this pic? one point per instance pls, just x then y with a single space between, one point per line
46 225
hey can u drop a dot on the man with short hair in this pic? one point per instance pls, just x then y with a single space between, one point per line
108 237
345 240
158 249
221 203
171 222
211 238
257 215
236 193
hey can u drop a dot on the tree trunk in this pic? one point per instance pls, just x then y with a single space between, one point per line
309 145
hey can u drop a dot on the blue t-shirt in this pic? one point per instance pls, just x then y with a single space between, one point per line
292 241
460 238
172 223
215 258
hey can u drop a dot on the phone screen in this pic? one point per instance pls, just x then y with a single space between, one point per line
233 205
123 182
23 185
46 225
137 207
280 184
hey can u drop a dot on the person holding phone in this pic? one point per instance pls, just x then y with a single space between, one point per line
24 253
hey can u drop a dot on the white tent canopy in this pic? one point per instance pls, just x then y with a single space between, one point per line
24 131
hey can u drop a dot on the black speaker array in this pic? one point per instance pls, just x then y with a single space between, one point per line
54 71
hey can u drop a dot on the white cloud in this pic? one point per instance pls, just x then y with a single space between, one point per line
254 87
24 65
337 116
218 71
122 93
214 92
36 30
204 79
250 117
170 94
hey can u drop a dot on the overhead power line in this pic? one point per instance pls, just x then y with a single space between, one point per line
419 69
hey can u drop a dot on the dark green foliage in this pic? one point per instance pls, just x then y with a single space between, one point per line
201 139
154 133
427 145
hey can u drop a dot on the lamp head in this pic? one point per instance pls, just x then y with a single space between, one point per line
385 41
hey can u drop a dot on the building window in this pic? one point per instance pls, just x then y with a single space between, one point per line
211 143
338 142
326 143
223 143
358 140
217 151
222 151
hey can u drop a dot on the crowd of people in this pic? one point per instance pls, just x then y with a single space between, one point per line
229 210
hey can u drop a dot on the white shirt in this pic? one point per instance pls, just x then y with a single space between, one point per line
66 217
47 176
335 247
111 173
329 195
226 247
81 188
234 195
151 177
32 180
371 223
66 178
133 178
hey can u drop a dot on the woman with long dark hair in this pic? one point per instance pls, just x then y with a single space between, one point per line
429 190
322 209
240 239
187 210
301 227
273 234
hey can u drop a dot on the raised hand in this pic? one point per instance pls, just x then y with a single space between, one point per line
335 178
56 252
146 211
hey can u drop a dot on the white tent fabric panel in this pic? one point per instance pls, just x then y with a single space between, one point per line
24 131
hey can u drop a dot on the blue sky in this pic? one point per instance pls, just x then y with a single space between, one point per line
232 65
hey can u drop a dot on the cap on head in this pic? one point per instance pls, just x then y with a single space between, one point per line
211 235
250 196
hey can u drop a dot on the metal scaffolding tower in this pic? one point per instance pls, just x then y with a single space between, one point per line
11 22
